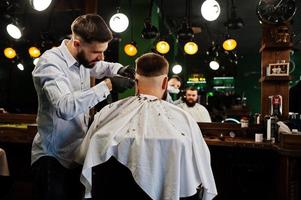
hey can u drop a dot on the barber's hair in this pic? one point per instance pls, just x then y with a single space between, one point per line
151 64
176 77
91 28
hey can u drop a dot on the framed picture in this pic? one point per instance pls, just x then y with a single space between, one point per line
278 69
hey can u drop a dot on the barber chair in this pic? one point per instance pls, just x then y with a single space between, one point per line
113 181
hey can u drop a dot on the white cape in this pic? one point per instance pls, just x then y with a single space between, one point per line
161 145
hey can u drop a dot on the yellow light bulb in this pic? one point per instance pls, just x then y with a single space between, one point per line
162 47
229 44
9 53
130 49
191 48
34 52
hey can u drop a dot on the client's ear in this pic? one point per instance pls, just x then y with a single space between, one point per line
165 83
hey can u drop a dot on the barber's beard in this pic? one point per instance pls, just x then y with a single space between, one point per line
190 103
81 58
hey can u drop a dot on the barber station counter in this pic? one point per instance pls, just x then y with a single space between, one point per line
16 135
245 169
242 168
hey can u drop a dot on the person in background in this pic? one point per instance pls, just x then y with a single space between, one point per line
158 142
196 110
173 89
62 82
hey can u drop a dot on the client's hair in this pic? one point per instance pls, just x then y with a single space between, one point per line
151 64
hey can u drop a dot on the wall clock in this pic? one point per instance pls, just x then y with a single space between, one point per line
276 11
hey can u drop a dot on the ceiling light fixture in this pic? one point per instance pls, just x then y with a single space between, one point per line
191 48
162 47
130 49
214 65
119 22
176 69
40 5
9 53
14 30
234 22
149 31
210 10
20 66
34 52
185 33
229 43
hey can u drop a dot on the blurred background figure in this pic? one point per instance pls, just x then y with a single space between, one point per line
198 112
173 90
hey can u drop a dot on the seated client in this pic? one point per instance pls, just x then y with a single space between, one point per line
160 144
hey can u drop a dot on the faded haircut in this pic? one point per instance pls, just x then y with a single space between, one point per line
151 64
91 28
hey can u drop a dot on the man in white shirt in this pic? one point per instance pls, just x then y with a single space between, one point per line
62 81
196 110
158 142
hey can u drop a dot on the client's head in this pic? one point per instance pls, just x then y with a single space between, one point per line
151 74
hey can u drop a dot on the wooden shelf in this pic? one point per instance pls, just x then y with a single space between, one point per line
275 78
279 47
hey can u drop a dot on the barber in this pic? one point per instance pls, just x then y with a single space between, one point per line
62 82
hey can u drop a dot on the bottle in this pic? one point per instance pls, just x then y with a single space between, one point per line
274 129
244 121
267 125
257 118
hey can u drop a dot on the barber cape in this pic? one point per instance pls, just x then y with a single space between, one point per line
159 143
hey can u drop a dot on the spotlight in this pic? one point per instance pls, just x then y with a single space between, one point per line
40 5
176 69
9 53
149 31
229 44
191 48
210 10
130 49
214 65
119 22
162 47
34 52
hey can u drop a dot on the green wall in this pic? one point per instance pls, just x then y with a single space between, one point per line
247 71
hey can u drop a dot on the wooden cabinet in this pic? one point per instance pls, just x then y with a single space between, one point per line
276 46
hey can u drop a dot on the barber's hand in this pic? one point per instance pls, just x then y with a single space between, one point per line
120 83
127 71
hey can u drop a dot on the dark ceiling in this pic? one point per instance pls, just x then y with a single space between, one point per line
175 12
248 37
